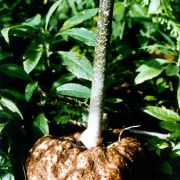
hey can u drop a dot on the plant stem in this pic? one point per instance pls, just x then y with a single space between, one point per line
147 133
91 137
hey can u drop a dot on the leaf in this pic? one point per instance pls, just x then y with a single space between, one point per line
75 90
8 176
162 113
5 33
78 65
2 125
172 70
79 18
114 100
15 71
51 11
6 115
5 167
178 93
40 125
81 34
168 40
165 167
22 30
29 90
148 71
32 56
170 126
175 135
154 6
63 119
12 94
138 10
63 79
163 145
10 105
176 147
34 21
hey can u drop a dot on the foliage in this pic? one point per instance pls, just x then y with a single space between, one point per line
46 56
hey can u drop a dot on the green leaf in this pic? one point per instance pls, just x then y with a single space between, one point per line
75 90
176 149
6 115
178 93
162 113
63 79
79 18
15 71
22 30
113 100
63 119
165 167
32 56
34 21
29 90
81 34
78 65
172 70
51 11
8 176
40 125
2 125
5 167
168 40
137 10
10 105
4 55
148 71
170 126
5 33
163 145
154 7
11 93
175 135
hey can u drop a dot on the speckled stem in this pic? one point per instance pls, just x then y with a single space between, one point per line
99 67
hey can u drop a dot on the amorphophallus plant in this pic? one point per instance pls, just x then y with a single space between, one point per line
53 158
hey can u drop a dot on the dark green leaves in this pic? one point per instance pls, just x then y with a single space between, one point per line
148 71
79 18
81 34
75 90
172 70
22 30
6 172
34 21
176 149
77 64
30 88
6 103
51 11
162 113
40 125
165 167
15 71
2 125
154 7
32 56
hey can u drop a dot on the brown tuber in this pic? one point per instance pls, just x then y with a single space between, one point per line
60 159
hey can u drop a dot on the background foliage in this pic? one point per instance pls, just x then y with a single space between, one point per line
46 54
